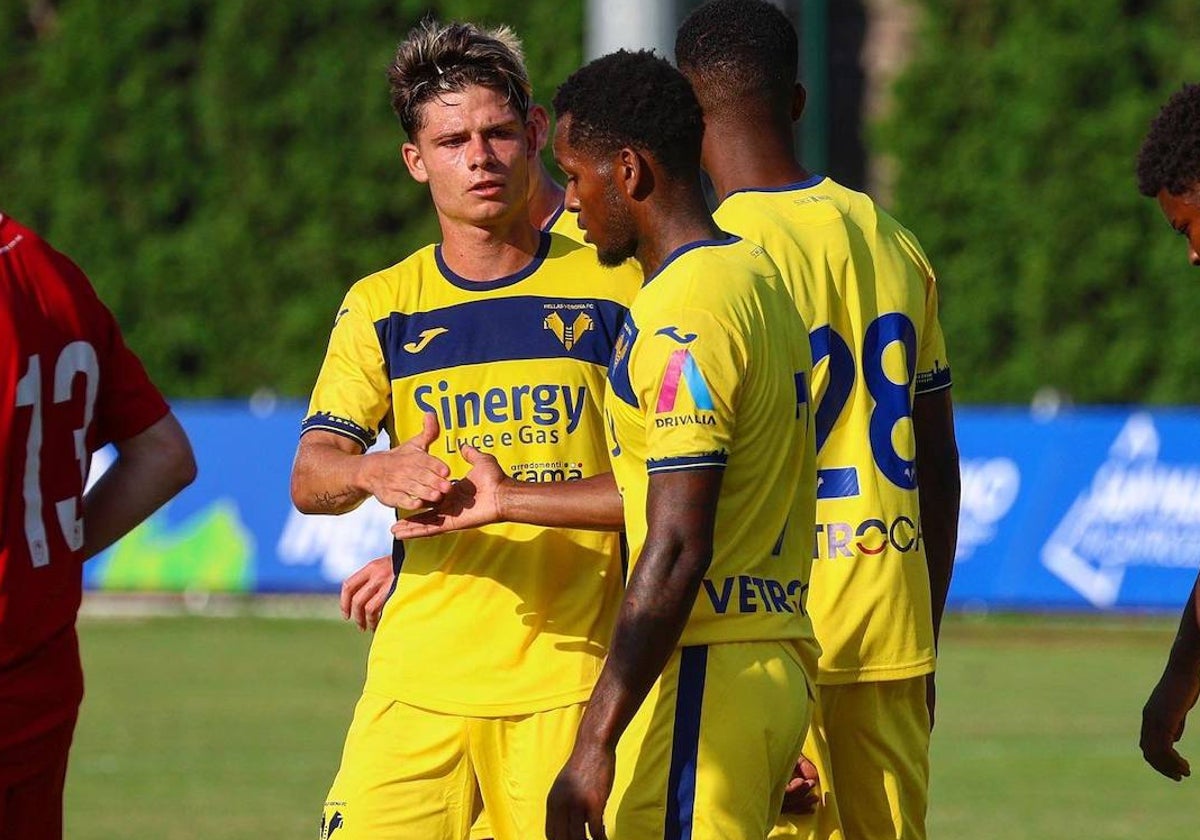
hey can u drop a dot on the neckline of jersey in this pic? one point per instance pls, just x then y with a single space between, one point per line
730 239
554 217
807 183
500 282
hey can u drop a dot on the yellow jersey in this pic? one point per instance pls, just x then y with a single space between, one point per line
711 371
509 619
867 292
565 224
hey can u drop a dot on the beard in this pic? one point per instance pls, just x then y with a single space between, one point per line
614 256
622 233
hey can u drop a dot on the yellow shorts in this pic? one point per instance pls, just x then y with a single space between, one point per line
826 822
411 773
711 749
878 735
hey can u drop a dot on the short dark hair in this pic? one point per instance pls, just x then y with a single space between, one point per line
634 99
438 58
738 48
1170 155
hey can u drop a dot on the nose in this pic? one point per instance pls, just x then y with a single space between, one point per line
571 198
479 152
1193 256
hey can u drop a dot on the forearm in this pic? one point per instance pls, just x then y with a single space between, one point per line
658 601
150 469
590 503
939 490
326 478
1185 651
939 527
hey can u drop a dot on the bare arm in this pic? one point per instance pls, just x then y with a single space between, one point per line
486 495
681 513
151 467
1174 696
939 487
332 474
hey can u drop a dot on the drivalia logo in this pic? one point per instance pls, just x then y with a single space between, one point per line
682 367
990 487
1137 511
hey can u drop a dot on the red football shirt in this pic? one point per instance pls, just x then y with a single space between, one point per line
68 385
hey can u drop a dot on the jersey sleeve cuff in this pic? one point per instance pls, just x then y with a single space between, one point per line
937 379
707 461
339 426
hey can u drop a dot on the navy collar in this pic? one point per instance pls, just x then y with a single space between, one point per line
807 183
554 217
500 282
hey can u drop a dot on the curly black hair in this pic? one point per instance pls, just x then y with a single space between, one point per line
1170 155
738 48
634 99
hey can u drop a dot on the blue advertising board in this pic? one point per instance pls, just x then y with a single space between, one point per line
1095 509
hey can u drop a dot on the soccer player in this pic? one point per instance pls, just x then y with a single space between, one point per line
498 338
68 386
365 591
701 709
887 463
1168 169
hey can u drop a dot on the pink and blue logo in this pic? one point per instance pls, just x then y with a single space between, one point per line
682 367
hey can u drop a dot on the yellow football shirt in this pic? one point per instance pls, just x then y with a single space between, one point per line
711 372
865 288
565 224
509 619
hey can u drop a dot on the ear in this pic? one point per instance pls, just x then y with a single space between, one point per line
541 121
534 142
415 163
799 97
631 174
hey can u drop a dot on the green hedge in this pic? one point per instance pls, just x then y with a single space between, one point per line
1016 131
224 169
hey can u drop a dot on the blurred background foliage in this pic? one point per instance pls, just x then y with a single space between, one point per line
224 169
1016 129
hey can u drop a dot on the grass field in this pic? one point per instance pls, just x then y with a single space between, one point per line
231 728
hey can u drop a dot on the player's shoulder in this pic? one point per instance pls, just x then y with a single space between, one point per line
573 265
391 287
56 275
737 261
718 277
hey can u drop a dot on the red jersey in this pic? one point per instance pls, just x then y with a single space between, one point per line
68 385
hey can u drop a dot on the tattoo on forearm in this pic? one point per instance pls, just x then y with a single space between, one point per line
332 502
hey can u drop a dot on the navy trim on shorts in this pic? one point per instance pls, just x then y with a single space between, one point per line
685 743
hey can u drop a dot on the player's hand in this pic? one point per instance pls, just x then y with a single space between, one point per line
575 806
407 476
366 591
930 696
473 501
1163 718
803 792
